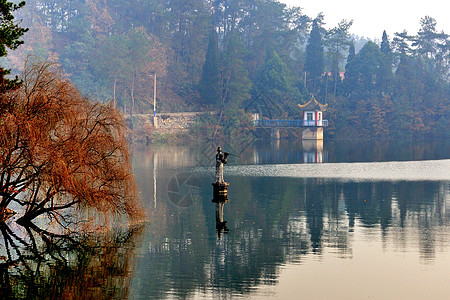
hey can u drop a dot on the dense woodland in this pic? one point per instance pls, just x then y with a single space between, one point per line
230 56
59 152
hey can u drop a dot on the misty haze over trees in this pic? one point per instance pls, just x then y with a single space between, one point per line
212 54
58 151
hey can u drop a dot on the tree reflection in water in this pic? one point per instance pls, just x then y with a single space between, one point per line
278 221
38 264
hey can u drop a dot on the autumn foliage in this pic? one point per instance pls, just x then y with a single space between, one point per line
60 151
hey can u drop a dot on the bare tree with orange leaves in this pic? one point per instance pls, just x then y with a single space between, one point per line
59 151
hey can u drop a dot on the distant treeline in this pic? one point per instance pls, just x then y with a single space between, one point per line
232 55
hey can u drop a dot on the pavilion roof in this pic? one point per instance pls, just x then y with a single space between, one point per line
313 104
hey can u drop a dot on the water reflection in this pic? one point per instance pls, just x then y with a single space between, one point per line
221 224
220 197
292 151
277 223
284 221
281 221
36 264
313 151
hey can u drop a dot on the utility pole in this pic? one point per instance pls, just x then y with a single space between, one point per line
305 80
155 122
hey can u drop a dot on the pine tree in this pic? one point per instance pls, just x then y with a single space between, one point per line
10 34
209 85
337 43
314 58
428 39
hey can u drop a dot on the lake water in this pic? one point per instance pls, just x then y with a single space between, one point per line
331 220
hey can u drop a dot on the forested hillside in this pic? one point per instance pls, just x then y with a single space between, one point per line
209 55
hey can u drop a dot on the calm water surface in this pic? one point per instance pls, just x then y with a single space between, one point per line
333 220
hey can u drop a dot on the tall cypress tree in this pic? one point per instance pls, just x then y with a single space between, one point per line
314 63
351 51
385 45
386 65
350 78
209 85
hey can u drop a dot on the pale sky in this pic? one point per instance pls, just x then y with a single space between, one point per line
370 18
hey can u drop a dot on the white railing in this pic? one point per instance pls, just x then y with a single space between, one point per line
315 122
290 123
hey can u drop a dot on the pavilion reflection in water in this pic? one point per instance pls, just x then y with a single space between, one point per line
313 151
309 151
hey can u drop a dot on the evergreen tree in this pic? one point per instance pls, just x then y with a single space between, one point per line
386 65
209 85
351 51
401 45
275 82
427 38
314 63
235 84
385 45
350 78
363 72
10 34
266 26
75 60
434 48
235 81
337 43
403 73
274 78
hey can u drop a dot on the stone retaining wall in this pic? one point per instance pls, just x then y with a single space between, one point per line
167 121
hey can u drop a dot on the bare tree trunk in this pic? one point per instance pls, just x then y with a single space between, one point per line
335 84
132 99
218 122
132 94
114 92
221 107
